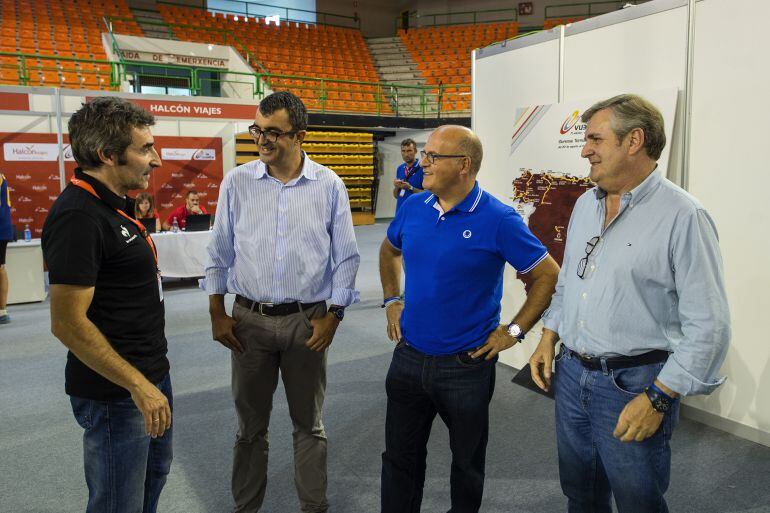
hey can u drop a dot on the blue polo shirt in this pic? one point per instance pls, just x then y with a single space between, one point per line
454 267
415 180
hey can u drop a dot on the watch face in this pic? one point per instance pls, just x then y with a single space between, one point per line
514 330
661 405
339 313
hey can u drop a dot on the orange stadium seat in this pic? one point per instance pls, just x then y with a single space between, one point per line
289 49
61 29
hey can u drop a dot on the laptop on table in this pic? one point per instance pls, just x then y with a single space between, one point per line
197 223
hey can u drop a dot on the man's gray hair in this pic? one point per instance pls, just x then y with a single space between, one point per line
104 124
631 111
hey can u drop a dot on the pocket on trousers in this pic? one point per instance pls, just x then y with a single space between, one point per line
560 354
633 380
81 409
466 360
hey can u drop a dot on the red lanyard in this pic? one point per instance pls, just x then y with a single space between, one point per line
409 171
142 230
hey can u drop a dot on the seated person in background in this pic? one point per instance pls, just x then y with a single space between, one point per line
191 207
145 208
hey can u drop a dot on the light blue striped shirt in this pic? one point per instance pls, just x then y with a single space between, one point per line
654 281
279 243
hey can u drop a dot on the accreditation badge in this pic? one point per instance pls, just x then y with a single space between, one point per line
160 288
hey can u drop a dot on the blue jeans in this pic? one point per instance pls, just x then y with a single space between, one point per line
459 390
594 465
125 468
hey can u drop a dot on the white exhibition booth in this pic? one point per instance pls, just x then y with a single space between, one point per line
715 153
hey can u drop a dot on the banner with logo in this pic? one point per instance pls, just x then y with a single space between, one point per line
30 163
189 163
192 109
549 175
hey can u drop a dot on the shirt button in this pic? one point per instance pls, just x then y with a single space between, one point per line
593 267
581 323
585 295
443 218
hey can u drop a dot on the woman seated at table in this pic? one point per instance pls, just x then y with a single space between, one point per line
145 209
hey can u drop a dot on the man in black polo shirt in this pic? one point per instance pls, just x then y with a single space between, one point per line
107 308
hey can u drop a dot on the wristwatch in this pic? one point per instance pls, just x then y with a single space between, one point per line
337 311
660 401
515 331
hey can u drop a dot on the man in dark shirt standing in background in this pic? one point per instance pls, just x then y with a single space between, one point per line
107 308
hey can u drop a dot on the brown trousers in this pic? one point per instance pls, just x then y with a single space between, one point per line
273 344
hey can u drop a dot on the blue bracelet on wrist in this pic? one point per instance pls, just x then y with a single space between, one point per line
657 389
389 300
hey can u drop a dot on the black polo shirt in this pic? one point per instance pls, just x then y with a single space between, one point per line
86 242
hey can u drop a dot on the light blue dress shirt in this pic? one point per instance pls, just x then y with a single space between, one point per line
281 243
654 281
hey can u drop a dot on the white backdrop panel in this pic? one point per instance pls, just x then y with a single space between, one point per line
728 170
504 82
604 57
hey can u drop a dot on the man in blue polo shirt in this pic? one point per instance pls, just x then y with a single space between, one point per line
455 242
408 175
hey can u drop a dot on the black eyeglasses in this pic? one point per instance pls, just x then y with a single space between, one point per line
431 157
590 246
270 136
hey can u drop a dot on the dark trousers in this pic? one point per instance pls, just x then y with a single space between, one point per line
419 386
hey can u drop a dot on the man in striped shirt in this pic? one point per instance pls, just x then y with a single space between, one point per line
283 242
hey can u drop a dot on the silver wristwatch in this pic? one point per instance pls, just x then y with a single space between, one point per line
515 331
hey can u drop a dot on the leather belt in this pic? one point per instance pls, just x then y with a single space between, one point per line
272 309
620 362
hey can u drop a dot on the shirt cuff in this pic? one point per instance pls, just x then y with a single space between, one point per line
550 321
675 377
344 297
215 282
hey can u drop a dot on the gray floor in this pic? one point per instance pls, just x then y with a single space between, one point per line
40 450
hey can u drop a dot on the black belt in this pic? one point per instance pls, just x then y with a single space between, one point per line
272 309
620 362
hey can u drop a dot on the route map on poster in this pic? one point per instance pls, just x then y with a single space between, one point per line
549 175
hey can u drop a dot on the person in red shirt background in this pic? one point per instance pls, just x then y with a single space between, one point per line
192 206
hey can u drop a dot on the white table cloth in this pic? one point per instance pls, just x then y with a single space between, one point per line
24 265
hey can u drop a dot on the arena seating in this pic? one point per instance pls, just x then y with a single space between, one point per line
443 54
292 51
62 42
553 22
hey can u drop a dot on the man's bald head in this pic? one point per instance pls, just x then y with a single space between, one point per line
462 141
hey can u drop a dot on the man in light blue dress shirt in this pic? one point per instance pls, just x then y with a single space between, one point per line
641 310
283 242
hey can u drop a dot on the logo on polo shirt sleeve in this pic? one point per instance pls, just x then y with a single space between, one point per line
467 234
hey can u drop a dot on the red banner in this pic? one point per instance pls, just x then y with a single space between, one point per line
186 109
188 163
16 101
30 163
